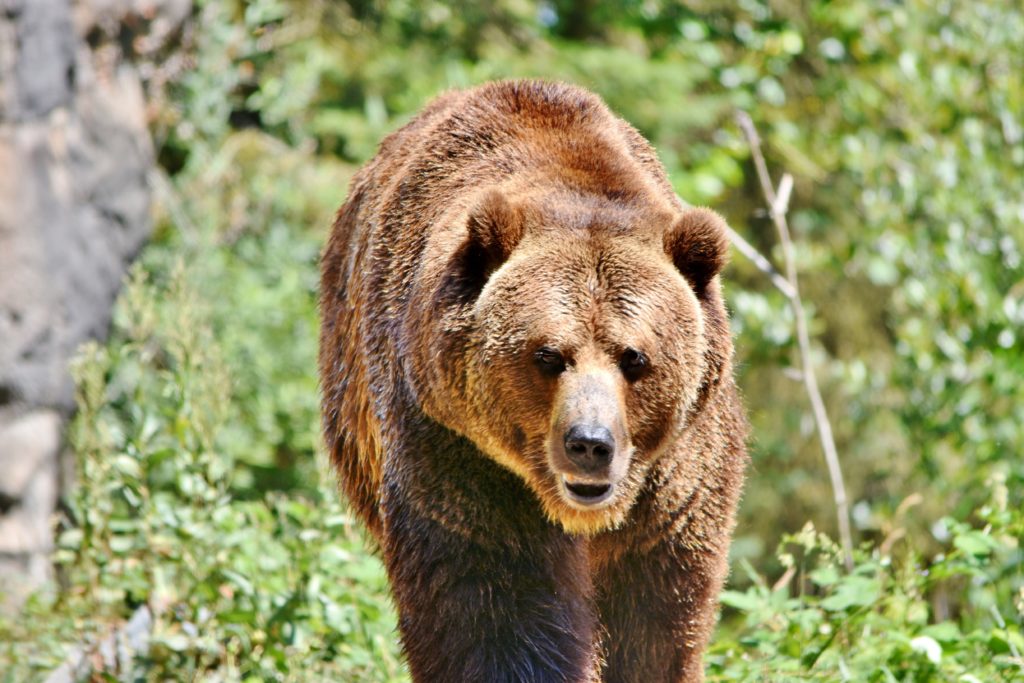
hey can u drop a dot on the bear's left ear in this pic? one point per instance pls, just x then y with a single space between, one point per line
495 227
698 244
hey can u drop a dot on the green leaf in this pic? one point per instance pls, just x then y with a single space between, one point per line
975 543
824 576
852 591
747 602
946 632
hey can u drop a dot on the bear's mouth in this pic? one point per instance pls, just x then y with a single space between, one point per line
585 492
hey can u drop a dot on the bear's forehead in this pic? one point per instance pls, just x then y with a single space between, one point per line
583 267
596 287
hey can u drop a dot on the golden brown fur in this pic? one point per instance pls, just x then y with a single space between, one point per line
513 265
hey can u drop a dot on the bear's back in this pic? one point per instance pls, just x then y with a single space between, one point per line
497 131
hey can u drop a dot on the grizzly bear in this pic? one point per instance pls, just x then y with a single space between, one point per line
525 362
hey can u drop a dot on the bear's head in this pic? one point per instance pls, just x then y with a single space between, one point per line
573 339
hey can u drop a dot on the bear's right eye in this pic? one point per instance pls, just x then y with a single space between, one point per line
549 361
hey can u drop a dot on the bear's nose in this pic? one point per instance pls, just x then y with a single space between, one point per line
589 447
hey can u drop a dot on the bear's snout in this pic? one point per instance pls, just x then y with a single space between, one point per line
590 448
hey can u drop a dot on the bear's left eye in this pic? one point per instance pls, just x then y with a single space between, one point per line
549 361
633 364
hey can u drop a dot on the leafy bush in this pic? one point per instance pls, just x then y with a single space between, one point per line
260 589
888 618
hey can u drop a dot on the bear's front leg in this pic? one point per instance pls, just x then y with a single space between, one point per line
513 606
658 608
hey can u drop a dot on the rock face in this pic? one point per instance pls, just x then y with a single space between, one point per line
29 447
74 206
75 153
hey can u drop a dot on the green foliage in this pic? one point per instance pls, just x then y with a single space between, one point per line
249 220
880 622
916 137
260 589
197 433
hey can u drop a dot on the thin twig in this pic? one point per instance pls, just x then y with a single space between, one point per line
778 204
762 264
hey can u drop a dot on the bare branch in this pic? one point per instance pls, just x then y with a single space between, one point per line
785 190
778 205
762 263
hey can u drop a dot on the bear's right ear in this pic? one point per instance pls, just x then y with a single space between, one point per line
698 244
495 228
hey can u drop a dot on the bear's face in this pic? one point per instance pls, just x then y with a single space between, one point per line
590 350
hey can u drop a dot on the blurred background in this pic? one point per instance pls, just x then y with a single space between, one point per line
168 174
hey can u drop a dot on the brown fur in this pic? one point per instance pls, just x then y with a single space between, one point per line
504 223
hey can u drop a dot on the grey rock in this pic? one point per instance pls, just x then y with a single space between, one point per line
75 212
27 445
39 69
115 652
75 155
